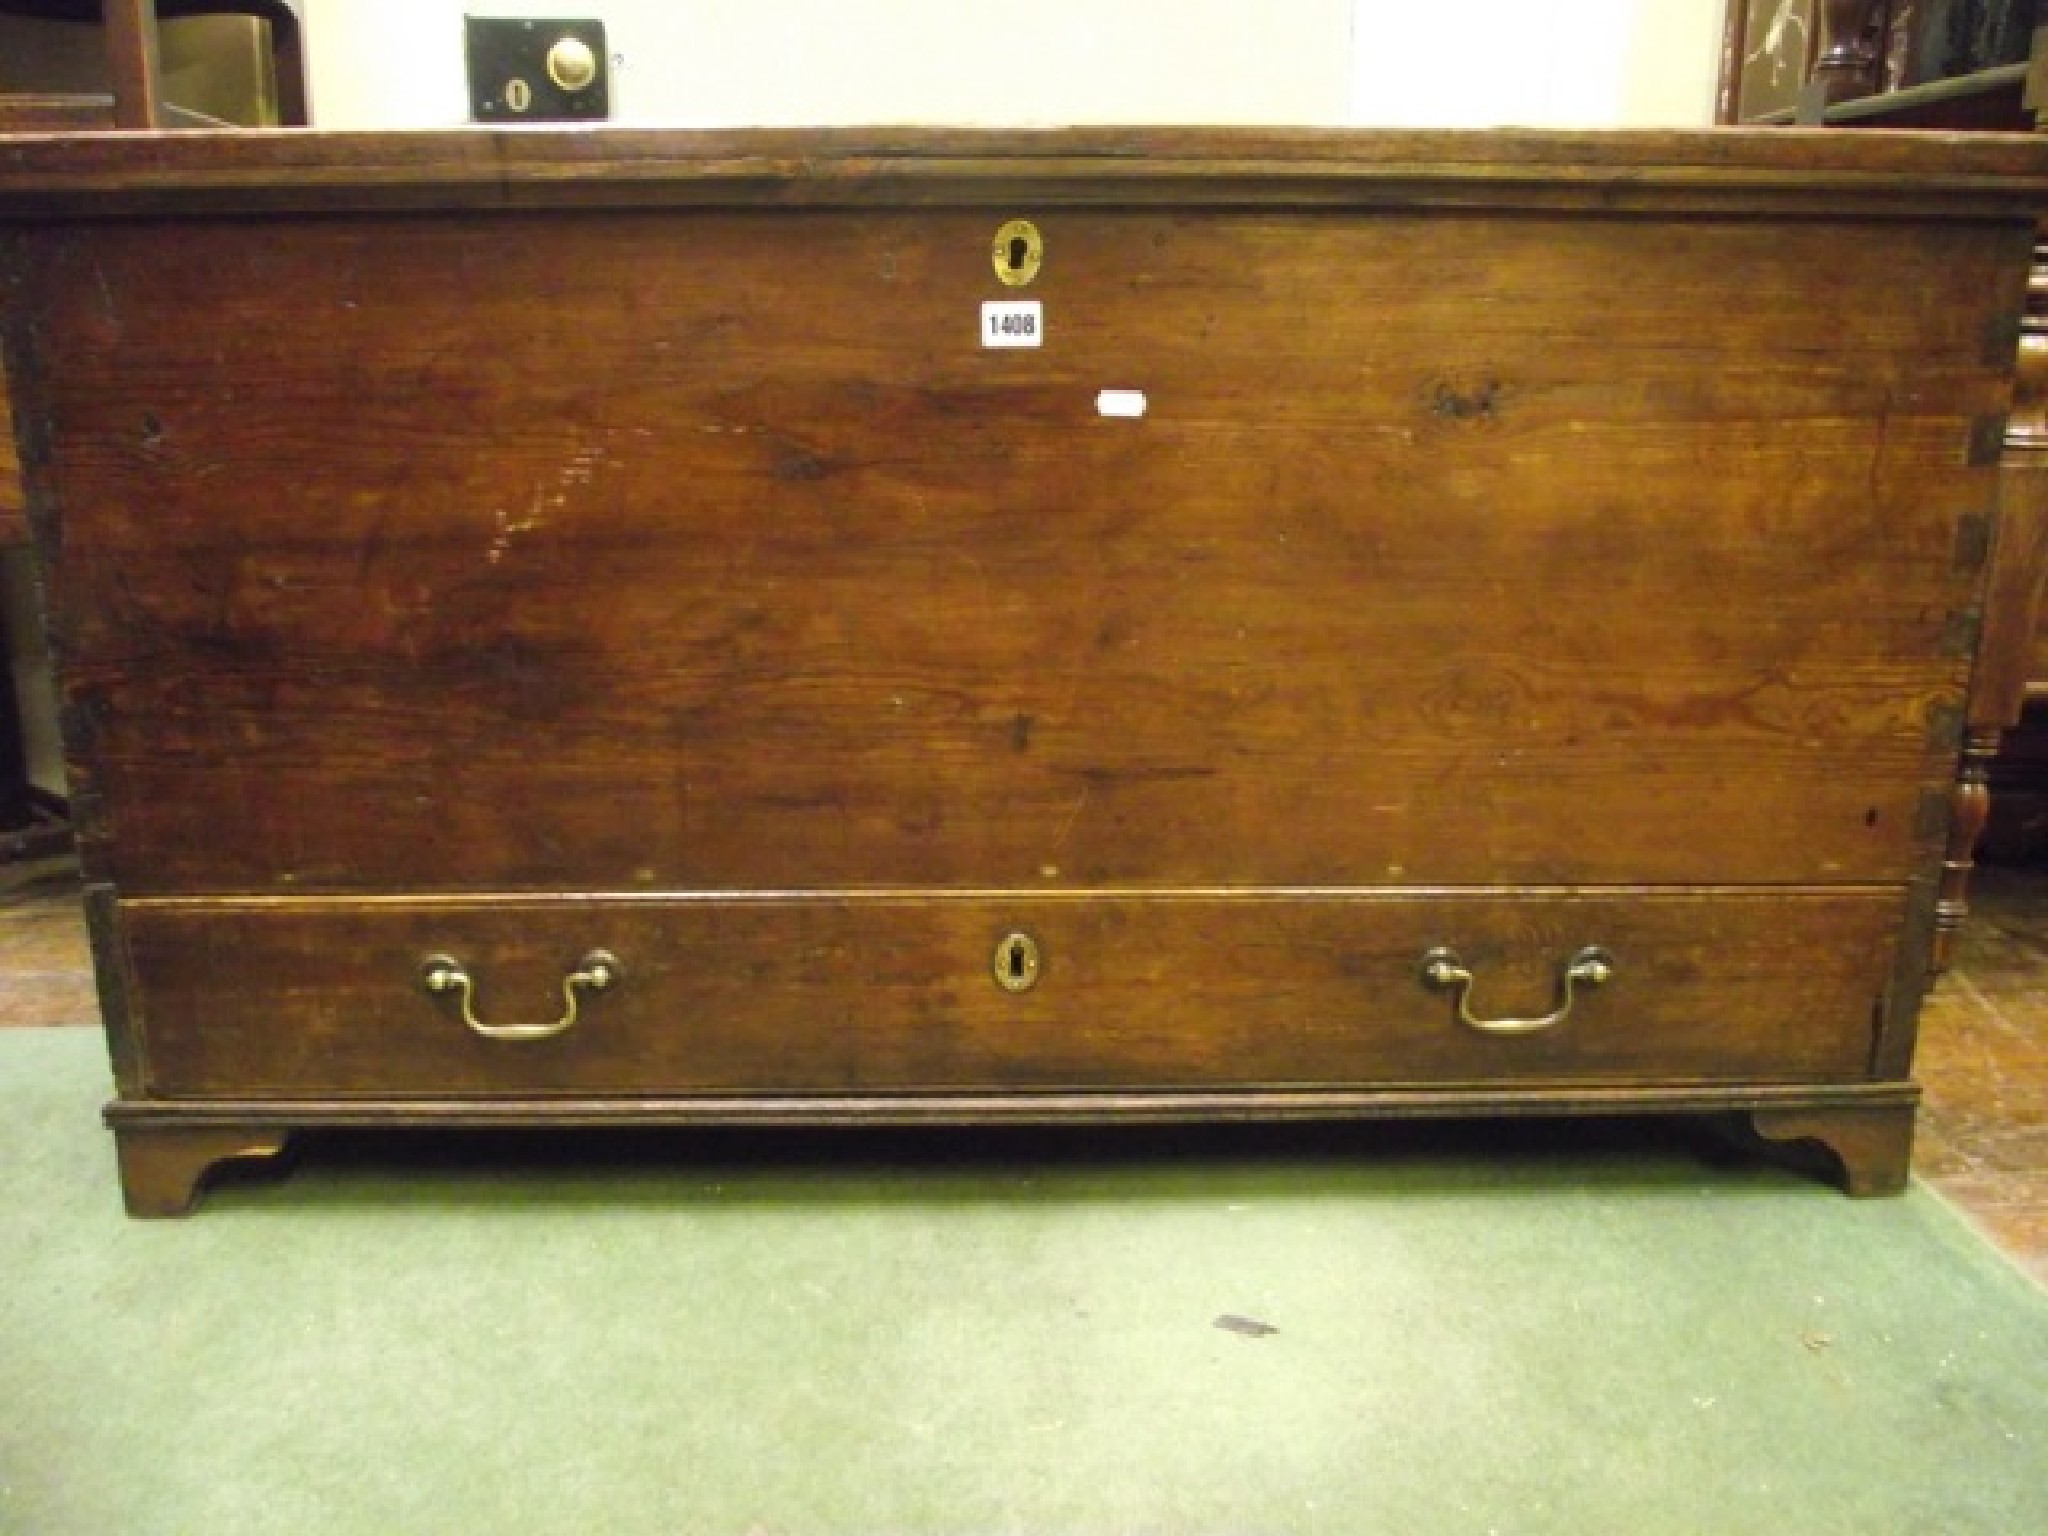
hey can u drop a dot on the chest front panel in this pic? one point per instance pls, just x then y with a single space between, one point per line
699 550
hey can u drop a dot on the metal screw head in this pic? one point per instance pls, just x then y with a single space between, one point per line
1442 968
1592 967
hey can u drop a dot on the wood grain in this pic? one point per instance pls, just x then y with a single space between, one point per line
1510 1100
163 1166
131 43
46 112
1530 541
1792 174
1870 1147
629 552
850 993
13 501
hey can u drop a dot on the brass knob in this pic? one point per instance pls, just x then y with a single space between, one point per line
571 64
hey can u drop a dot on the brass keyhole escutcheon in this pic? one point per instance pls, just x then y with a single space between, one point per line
1018 252
1017 962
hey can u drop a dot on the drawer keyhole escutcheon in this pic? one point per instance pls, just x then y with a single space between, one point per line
1018 252
1017 962
1590 967
595 972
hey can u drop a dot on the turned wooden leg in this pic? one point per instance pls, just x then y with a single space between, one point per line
1970 807
1872 1145
162 1165
1849 61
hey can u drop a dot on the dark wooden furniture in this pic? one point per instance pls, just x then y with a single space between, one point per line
1957 64
134 99
571 629
1874 64
34 821
17 812
13 504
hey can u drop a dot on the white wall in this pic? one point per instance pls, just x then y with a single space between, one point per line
1535 63
698 63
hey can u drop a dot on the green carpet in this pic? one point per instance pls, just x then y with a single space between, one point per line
1599 1333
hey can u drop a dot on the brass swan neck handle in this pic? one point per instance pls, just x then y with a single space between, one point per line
595 972
1590 967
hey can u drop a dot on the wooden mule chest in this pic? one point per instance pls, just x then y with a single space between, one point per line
588 627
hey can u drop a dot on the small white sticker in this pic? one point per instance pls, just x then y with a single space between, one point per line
1121 402
1012 323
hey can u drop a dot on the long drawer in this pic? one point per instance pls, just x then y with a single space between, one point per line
1002 992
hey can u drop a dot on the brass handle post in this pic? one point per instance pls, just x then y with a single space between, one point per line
1590 967
595 972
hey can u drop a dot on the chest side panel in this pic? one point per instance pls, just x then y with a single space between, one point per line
700 550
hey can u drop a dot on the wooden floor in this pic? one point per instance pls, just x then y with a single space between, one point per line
1983 1061
1983 1137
